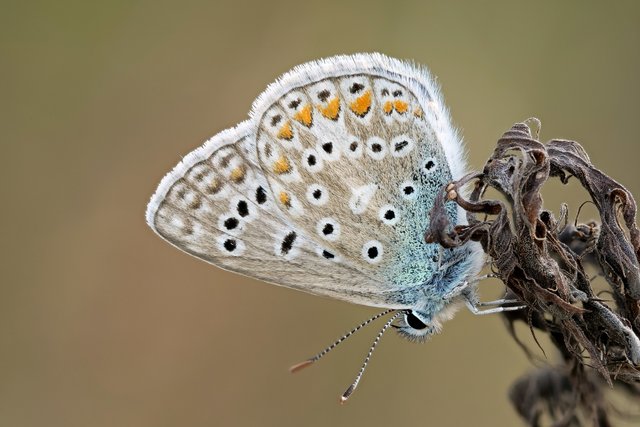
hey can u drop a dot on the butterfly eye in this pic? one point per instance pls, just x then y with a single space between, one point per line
413 321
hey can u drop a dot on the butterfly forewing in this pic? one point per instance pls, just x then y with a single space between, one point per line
327 188
354 163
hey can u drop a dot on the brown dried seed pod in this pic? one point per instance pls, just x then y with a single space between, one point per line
543 266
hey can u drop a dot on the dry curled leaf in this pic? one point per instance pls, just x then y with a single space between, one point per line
541 259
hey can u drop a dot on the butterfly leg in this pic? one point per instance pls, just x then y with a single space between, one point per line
464 287
485 276
501 301
474 306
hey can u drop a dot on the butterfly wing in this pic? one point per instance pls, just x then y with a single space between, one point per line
217 206
349 152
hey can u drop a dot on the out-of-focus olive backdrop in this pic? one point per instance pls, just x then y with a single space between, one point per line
104 324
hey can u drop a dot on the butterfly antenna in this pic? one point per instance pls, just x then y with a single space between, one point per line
301 365
353 386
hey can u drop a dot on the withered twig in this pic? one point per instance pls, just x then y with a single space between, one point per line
541 261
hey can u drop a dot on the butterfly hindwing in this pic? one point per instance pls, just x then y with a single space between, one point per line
217 206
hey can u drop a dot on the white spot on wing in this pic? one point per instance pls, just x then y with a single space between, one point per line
401 146
376 148
294 252
372 251
429 165
328 149
231 224
230 245
361 197
326 254
311 160
408 190
328 228
389 215
243 208
317 194
353 148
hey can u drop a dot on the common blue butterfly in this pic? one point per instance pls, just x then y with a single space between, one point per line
327 188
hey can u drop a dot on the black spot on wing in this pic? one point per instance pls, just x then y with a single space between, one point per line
287 243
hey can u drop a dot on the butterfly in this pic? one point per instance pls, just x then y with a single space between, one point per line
327 189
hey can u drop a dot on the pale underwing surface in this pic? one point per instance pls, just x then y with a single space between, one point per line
541 259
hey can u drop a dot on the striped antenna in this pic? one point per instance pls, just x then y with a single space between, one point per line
353 386
297 367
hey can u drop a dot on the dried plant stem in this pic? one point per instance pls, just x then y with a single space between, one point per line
542 262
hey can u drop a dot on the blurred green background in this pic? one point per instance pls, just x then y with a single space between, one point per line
103 324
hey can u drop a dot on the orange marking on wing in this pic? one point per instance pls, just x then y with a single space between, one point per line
214 186
237 174
401 106
388 107
196 203
331 110
362 104
285 131
285 199
304 115
282 165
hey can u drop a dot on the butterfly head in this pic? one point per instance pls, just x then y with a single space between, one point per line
414 326
417 325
